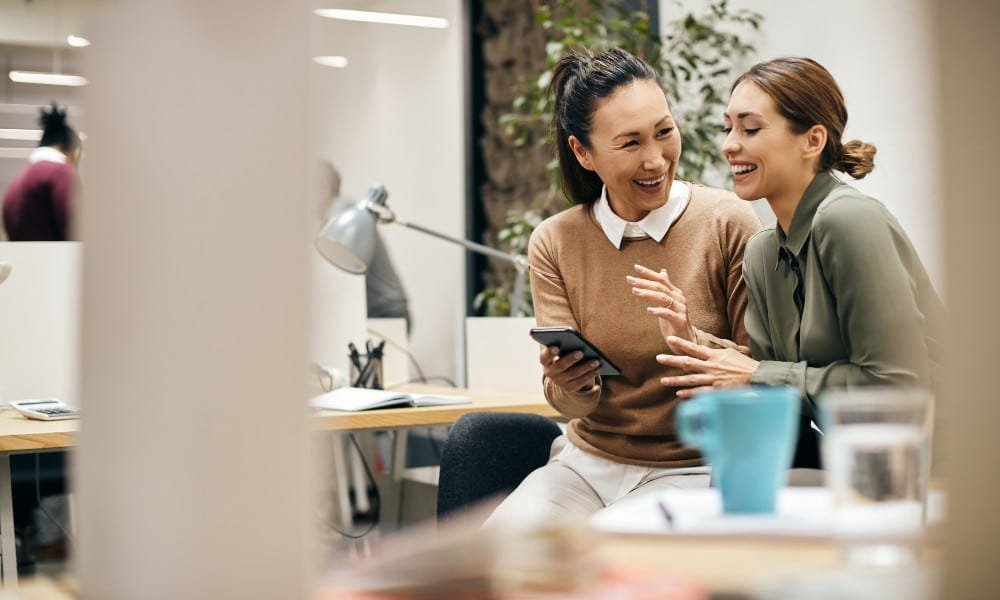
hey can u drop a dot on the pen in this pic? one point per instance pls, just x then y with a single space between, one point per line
363 374
355 357
666 513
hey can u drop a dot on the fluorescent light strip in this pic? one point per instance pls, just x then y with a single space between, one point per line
77 41
47 78
366 16
338 62
21 135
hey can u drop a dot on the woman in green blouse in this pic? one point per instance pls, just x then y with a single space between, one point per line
837 294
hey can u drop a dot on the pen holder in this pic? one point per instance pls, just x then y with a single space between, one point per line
370 373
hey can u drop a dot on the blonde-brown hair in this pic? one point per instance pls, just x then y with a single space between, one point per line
807 94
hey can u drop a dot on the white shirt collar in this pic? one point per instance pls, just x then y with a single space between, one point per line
47 154
654 225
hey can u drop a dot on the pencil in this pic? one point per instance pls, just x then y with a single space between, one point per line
666 513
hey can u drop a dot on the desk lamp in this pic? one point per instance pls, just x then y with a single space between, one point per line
347 239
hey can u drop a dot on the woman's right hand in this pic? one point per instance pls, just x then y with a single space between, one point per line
568 372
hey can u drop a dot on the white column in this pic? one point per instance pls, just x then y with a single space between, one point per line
968 48
192 464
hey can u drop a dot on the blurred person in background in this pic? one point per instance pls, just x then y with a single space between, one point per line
38 205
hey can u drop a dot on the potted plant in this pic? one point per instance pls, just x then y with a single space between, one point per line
697 57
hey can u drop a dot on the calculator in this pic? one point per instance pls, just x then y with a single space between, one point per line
47 409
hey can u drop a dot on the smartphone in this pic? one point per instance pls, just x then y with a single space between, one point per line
569 340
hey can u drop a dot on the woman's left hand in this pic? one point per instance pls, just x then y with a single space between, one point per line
667 302
707 368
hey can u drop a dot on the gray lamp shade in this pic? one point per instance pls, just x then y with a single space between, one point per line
348 238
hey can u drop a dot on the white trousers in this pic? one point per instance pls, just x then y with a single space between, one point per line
575 484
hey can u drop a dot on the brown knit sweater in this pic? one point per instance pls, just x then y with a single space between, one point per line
578 279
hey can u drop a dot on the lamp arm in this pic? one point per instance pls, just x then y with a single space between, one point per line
519 261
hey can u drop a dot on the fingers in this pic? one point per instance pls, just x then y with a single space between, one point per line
690 380
682 346
676 312
686 363
658 276
579 383
691 392
647 284
570 371
673 302
548 355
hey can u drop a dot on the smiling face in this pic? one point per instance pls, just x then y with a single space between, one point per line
766 157
634 148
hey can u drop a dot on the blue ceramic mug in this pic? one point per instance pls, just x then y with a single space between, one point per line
748 436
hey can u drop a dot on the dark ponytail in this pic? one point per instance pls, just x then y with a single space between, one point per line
55 131
579 80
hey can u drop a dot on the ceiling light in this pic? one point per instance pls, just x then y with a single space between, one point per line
366 16
331 61
21 135
77 41
47 78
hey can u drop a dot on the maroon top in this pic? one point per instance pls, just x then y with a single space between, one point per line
38 203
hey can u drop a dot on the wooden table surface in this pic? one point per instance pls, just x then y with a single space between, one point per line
18 434
393 418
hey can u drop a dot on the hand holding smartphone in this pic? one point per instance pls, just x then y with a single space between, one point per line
569 340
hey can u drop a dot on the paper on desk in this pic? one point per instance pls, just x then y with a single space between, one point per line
353 399
802 511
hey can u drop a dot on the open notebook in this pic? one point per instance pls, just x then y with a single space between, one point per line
354 399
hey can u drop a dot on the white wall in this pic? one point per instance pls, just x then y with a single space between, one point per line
395 116
880 53
40 321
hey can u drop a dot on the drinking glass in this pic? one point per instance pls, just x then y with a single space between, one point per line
876 451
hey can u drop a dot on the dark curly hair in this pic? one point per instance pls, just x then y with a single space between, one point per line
55 131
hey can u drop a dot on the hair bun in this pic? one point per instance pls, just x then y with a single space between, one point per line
857 159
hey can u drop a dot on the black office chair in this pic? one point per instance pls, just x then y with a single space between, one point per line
807 448
489 453
486 454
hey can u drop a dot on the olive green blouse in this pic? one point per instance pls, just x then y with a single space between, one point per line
841 299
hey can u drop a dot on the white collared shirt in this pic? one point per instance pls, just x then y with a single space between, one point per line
654 225
47 154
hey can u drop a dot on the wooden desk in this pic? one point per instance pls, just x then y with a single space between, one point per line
722 564
399 420
429 416
17 435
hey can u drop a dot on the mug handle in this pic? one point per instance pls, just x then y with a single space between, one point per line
693 421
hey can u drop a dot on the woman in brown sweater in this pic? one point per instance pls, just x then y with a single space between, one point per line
618 149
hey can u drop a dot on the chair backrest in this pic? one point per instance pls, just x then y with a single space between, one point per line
807 447
489 453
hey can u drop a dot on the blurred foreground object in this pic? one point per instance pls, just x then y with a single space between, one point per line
459 561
